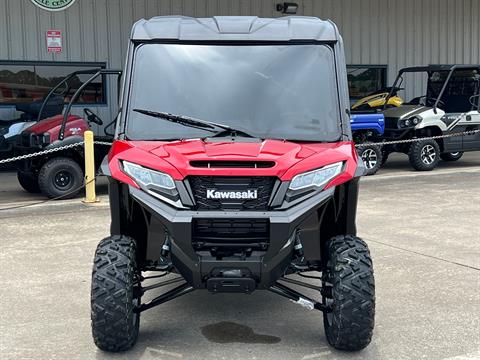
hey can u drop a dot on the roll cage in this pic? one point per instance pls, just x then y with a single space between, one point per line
79 91
95 73
65 82
431 69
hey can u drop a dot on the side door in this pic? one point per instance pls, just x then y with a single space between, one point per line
455 124
462 99
472 122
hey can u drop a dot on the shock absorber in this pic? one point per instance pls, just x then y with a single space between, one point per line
298 247
166 246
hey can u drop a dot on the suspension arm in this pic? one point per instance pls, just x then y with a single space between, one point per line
298 298
169 295
301 283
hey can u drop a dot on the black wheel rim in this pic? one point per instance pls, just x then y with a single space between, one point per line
63 180
136 316
327 295
136 298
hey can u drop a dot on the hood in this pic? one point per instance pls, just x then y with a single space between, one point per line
367 99
405 111
283 154
263 158
75 126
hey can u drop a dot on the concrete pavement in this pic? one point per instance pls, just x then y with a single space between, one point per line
422 229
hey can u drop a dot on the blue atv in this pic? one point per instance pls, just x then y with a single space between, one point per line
366 128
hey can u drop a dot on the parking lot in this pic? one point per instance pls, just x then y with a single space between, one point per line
422 228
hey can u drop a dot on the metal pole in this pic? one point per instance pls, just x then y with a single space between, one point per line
90 196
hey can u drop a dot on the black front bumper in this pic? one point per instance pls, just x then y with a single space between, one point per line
264 266
396 134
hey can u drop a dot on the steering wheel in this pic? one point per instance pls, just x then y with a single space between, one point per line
92 117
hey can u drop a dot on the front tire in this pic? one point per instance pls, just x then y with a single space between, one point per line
451 156
28 181
115 294
350 292
372 158
424 155
60 177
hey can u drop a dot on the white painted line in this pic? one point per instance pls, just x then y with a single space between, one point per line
53 203
470 356
317 355
420 174
152 353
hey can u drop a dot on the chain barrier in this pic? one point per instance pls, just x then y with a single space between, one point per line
406 141
49 151
105 143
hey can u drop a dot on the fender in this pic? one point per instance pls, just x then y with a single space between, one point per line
67 141
430 119
374 122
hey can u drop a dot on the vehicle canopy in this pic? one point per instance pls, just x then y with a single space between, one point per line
279 78
450 87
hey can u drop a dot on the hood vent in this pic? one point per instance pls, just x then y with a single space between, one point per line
232 164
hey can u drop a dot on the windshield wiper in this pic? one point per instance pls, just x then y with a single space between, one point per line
195 123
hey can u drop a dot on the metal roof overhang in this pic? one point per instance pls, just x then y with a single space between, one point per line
234 28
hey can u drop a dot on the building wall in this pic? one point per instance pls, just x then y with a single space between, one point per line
394 32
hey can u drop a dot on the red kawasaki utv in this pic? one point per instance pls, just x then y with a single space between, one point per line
233 170
60 174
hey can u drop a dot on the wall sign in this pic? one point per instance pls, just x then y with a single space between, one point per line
53 5
54 41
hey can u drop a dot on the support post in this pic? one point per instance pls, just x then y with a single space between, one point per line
90 196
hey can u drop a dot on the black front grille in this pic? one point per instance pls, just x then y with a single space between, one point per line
26 139
391 123
230 233
201 184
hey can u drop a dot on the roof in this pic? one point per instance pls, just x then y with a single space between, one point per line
249 28
430 68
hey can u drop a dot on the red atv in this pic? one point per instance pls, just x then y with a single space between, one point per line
234 170
60 174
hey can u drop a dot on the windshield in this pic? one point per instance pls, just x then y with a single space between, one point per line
268 91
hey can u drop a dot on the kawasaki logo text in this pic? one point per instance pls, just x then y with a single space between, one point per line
243 195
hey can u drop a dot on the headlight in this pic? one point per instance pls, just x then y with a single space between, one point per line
318 178
148 177
413 121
